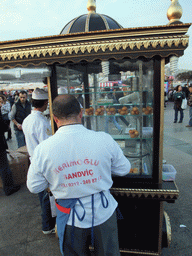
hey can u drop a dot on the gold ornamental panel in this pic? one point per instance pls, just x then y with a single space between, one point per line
159 194
94 47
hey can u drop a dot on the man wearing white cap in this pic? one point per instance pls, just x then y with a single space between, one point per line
37 128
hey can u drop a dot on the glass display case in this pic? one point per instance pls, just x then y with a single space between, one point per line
118 100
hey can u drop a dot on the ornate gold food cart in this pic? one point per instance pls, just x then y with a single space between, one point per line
118 74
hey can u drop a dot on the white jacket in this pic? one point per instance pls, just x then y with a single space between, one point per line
76 163
36 129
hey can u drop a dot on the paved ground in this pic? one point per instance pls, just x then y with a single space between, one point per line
20 222
178 152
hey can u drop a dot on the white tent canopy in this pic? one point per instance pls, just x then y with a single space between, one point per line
21 86
24 74
23 78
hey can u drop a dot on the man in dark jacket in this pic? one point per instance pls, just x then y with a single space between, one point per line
20 110
5 172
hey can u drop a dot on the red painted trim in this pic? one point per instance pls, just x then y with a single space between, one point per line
63 209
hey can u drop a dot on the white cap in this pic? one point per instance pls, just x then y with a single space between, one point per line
40 94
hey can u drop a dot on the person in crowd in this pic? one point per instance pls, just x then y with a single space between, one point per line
11 98
170 95
79 96
77 165
37 128
5 106
80 99
178 96
185 90
190 106
30 91
6 175
109 118
16 96
20 110
165 98
5 109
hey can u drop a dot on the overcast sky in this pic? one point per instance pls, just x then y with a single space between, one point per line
35 18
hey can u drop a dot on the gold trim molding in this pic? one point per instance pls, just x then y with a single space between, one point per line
94 47
162 194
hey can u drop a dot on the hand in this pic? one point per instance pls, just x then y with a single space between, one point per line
19 126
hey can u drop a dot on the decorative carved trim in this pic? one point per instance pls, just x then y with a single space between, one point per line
161 194
152 43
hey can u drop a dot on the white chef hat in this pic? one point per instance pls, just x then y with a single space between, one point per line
40 94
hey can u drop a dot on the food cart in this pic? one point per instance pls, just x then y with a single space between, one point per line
84 59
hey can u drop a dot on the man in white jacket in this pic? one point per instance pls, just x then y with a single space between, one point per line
36 128
77 164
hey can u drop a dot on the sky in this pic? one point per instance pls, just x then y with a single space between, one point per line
21 19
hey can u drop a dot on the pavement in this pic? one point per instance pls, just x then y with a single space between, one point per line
20 220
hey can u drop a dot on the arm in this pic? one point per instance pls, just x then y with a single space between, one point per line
44 131
19 126
12 117
12 112
36 182
120 164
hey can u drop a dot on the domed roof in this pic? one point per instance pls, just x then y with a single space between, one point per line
90 22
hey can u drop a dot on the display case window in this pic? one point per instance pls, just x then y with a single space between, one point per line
117 98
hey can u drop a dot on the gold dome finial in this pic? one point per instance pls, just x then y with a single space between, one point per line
174 12
91 5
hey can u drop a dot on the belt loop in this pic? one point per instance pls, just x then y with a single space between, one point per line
102 200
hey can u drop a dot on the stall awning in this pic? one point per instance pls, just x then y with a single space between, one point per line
21 86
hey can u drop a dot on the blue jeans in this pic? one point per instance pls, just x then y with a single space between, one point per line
181 114
6 174
113 119
20 138
48 222
190 115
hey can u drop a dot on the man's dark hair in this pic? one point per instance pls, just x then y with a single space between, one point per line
23 92
38 103
65 106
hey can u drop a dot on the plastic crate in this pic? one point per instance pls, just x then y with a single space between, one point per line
169 172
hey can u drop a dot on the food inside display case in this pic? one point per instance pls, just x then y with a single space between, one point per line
123 108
